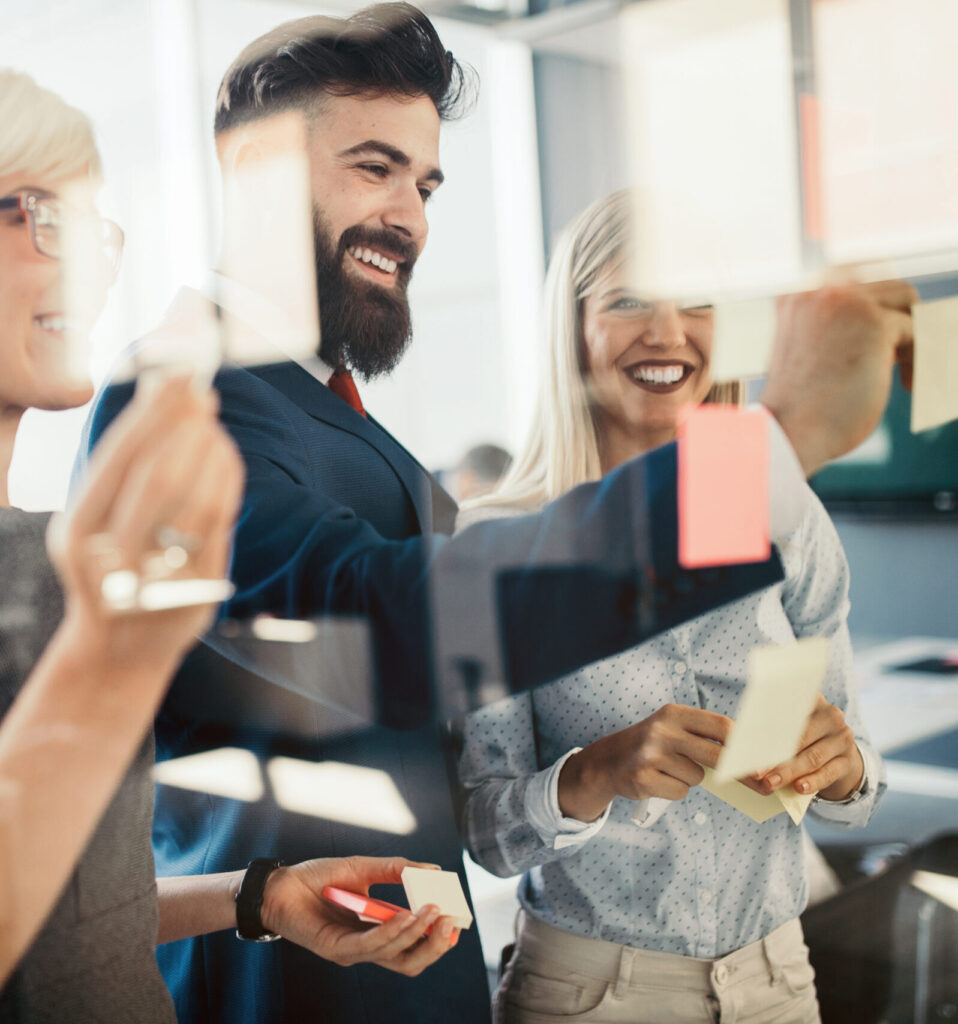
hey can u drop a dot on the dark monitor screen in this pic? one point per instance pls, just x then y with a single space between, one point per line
897 472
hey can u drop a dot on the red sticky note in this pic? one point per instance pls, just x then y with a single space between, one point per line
723 486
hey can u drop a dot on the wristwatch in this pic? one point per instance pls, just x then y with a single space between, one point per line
249 901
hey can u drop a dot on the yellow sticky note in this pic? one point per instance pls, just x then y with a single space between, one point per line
441 888
934 399
697 72
756 805
795 804
268 239
783 682
944 888
742 338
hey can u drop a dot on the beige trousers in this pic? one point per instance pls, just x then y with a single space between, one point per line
555 977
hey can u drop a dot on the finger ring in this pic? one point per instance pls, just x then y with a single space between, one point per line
169 537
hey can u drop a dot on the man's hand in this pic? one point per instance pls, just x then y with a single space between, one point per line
828 762
832 364
660 756
294 907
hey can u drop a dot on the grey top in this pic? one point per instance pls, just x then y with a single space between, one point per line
94 960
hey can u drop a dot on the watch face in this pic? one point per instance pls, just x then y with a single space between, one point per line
268 937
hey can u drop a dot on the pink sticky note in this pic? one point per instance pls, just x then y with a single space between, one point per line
723 486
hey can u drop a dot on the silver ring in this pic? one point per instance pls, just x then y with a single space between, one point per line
168 537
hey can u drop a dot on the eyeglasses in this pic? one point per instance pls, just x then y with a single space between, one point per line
46 216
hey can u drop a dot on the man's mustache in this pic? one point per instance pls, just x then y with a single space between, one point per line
381 239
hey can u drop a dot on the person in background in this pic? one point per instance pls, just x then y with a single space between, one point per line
79 687
477 472
643 896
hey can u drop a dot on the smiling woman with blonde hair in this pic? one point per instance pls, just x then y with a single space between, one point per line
563 447
643 896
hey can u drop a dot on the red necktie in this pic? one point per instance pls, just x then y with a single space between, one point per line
342 386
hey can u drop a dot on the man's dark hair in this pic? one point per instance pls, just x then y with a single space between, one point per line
387 49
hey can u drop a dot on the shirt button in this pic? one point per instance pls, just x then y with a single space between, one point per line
721 973
679 668
706 896
700 818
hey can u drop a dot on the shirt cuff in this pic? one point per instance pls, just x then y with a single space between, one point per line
872 776
545 816
788 493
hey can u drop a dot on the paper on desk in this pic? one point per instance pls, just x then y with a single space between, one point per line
934 399
944 888
723 486
443 888
779 696
756 805
742 338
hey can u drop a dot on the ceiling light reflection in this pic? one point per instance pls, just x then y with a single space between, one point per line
355 795
227 771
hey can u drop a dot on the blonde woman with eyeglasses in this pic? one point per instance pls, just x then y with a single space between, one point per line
643 897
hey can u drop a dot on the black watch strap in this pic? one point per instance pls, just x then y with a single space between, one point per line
249 900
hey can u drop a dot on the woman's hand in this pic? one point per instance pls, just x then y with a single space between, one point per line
294 907
828 761
165 464
661 756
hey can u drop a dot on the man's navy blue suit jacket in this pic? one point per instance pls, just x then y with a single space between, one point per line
338 519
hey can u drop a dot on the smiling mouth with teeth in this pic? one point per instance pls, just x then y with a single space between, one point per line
659 376
371 258
54 323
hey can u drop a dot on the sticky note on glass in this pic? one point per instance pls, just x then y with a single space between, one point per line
742 338
701 76
723 486
274 248
441 888
783 682
759 807
934 398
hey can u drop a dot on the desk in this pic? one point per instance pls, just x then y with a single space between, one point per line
902 708
912 718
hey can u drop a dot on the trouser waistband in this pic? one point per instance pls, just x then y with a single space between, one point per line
630 966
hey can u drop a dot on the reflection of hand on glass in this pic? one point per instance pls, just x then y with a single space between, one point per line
64 226
168 471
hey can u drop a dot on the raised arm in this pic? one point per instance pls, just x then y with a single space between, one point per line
509 605
76 724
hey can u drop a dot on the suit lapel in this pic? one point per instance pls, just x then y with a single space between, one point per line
435 509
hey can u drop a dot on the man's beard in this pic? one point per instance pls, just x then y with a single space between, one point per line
364 326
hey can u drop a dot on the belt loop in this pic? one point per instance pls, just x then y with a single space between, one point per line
774 971
626 960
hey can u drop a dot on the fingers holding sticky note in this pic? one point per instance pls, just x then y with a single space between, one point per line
758 806
782 685
441 888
